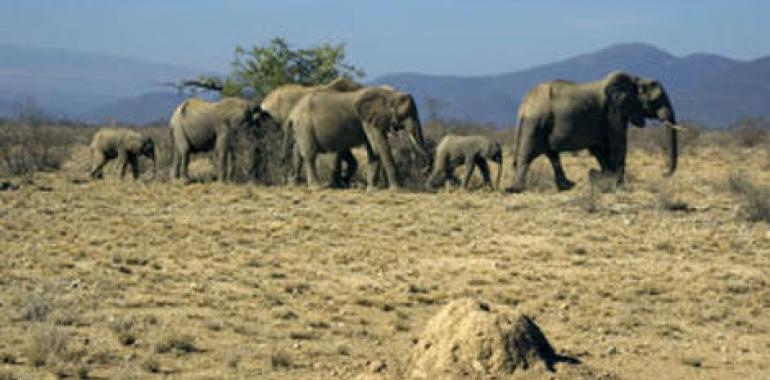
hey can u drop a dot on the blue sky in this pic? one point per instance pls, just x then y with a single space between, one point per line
429 36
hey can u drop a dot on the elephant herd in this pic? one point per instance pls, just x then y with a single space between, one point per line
554 117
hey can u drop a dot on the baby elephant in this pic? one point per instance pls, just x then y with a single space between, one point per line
454 150
123 144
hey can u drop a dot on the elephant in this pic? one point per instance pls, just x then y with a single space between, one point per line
559 115
201 126
326 121
279 103
125 145
473 151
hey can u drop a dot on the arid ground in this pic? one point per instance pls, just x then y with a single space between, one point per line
662 278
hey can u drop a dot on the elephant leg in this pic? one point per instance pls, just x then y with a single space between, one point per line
337 171
174 165
297 163
122 163
185 165
470 165
484 168
528 148
559 177
133 160
99 161
233 165
617 155
343 179
372 167
601 158
220 151
380 144
310 153
438 176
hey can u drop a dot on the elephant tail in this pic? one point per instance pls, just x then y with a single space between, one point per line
288 139
518 142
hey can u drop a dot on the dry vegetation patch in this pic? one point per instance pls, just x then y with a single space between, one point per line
144 279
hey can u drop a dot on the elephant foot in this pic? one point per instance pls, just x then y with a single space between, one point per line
395 189
516 187
564 185
317 186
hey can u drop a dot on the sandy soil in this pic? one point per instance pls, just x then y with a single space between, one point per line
662 278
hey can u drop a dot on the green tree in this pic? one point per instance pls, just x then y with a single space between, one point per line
260 69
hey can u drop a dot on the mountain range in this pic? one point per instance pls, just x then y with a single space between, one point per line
707 88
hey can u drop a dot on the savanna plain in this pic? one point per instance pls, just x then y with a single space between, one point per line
660 278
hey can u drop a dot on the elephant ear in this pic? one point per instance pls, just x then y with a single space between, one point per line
404 107
373 108
622 93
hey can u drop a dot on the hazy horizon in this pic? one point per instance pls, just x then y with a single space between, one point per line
429 37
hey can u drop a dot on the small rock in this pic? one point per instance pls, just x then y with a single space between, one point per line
377 366
612 350
694 361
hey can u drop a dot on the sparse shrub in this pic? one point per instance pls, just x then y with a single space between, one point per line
124 328
48 304
260 157
749 132
151 364
539 178
174 341
281 358
667 200
45 341
25 149
655 139
588 200
37 306
755 200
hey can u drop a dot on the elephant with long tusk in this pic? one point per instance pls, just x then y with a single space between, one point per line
558 116
473 151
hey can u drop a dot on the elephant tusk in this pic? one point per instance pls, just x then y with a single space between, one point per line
675 127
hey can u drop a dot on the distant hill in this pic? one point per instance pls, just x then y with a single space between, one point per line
68 83
709 88
143 109
703 87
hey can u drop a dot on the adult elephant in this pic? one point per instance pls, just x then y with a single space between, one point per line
125 145
282 100
201 126
325 121
560 116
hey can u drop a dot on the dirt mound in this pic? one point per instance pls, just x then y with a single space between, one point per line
478 340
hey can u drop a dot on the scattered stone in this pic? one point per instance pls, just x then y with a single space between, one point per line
693 361
8 186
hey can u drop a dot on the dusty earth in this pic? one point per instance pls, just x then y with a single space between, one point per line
660 279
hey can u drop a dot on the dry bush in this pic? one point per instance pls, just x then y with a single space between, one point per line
261 157
48 304
46 341
172 340
755 199
25 149
654 139
749 132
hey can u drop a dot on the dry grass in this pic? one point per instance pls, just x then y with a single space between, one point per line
233 281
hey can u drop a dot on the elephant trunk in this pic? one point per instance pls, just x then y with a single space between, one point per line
499 173
414 130
667 116
153 157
